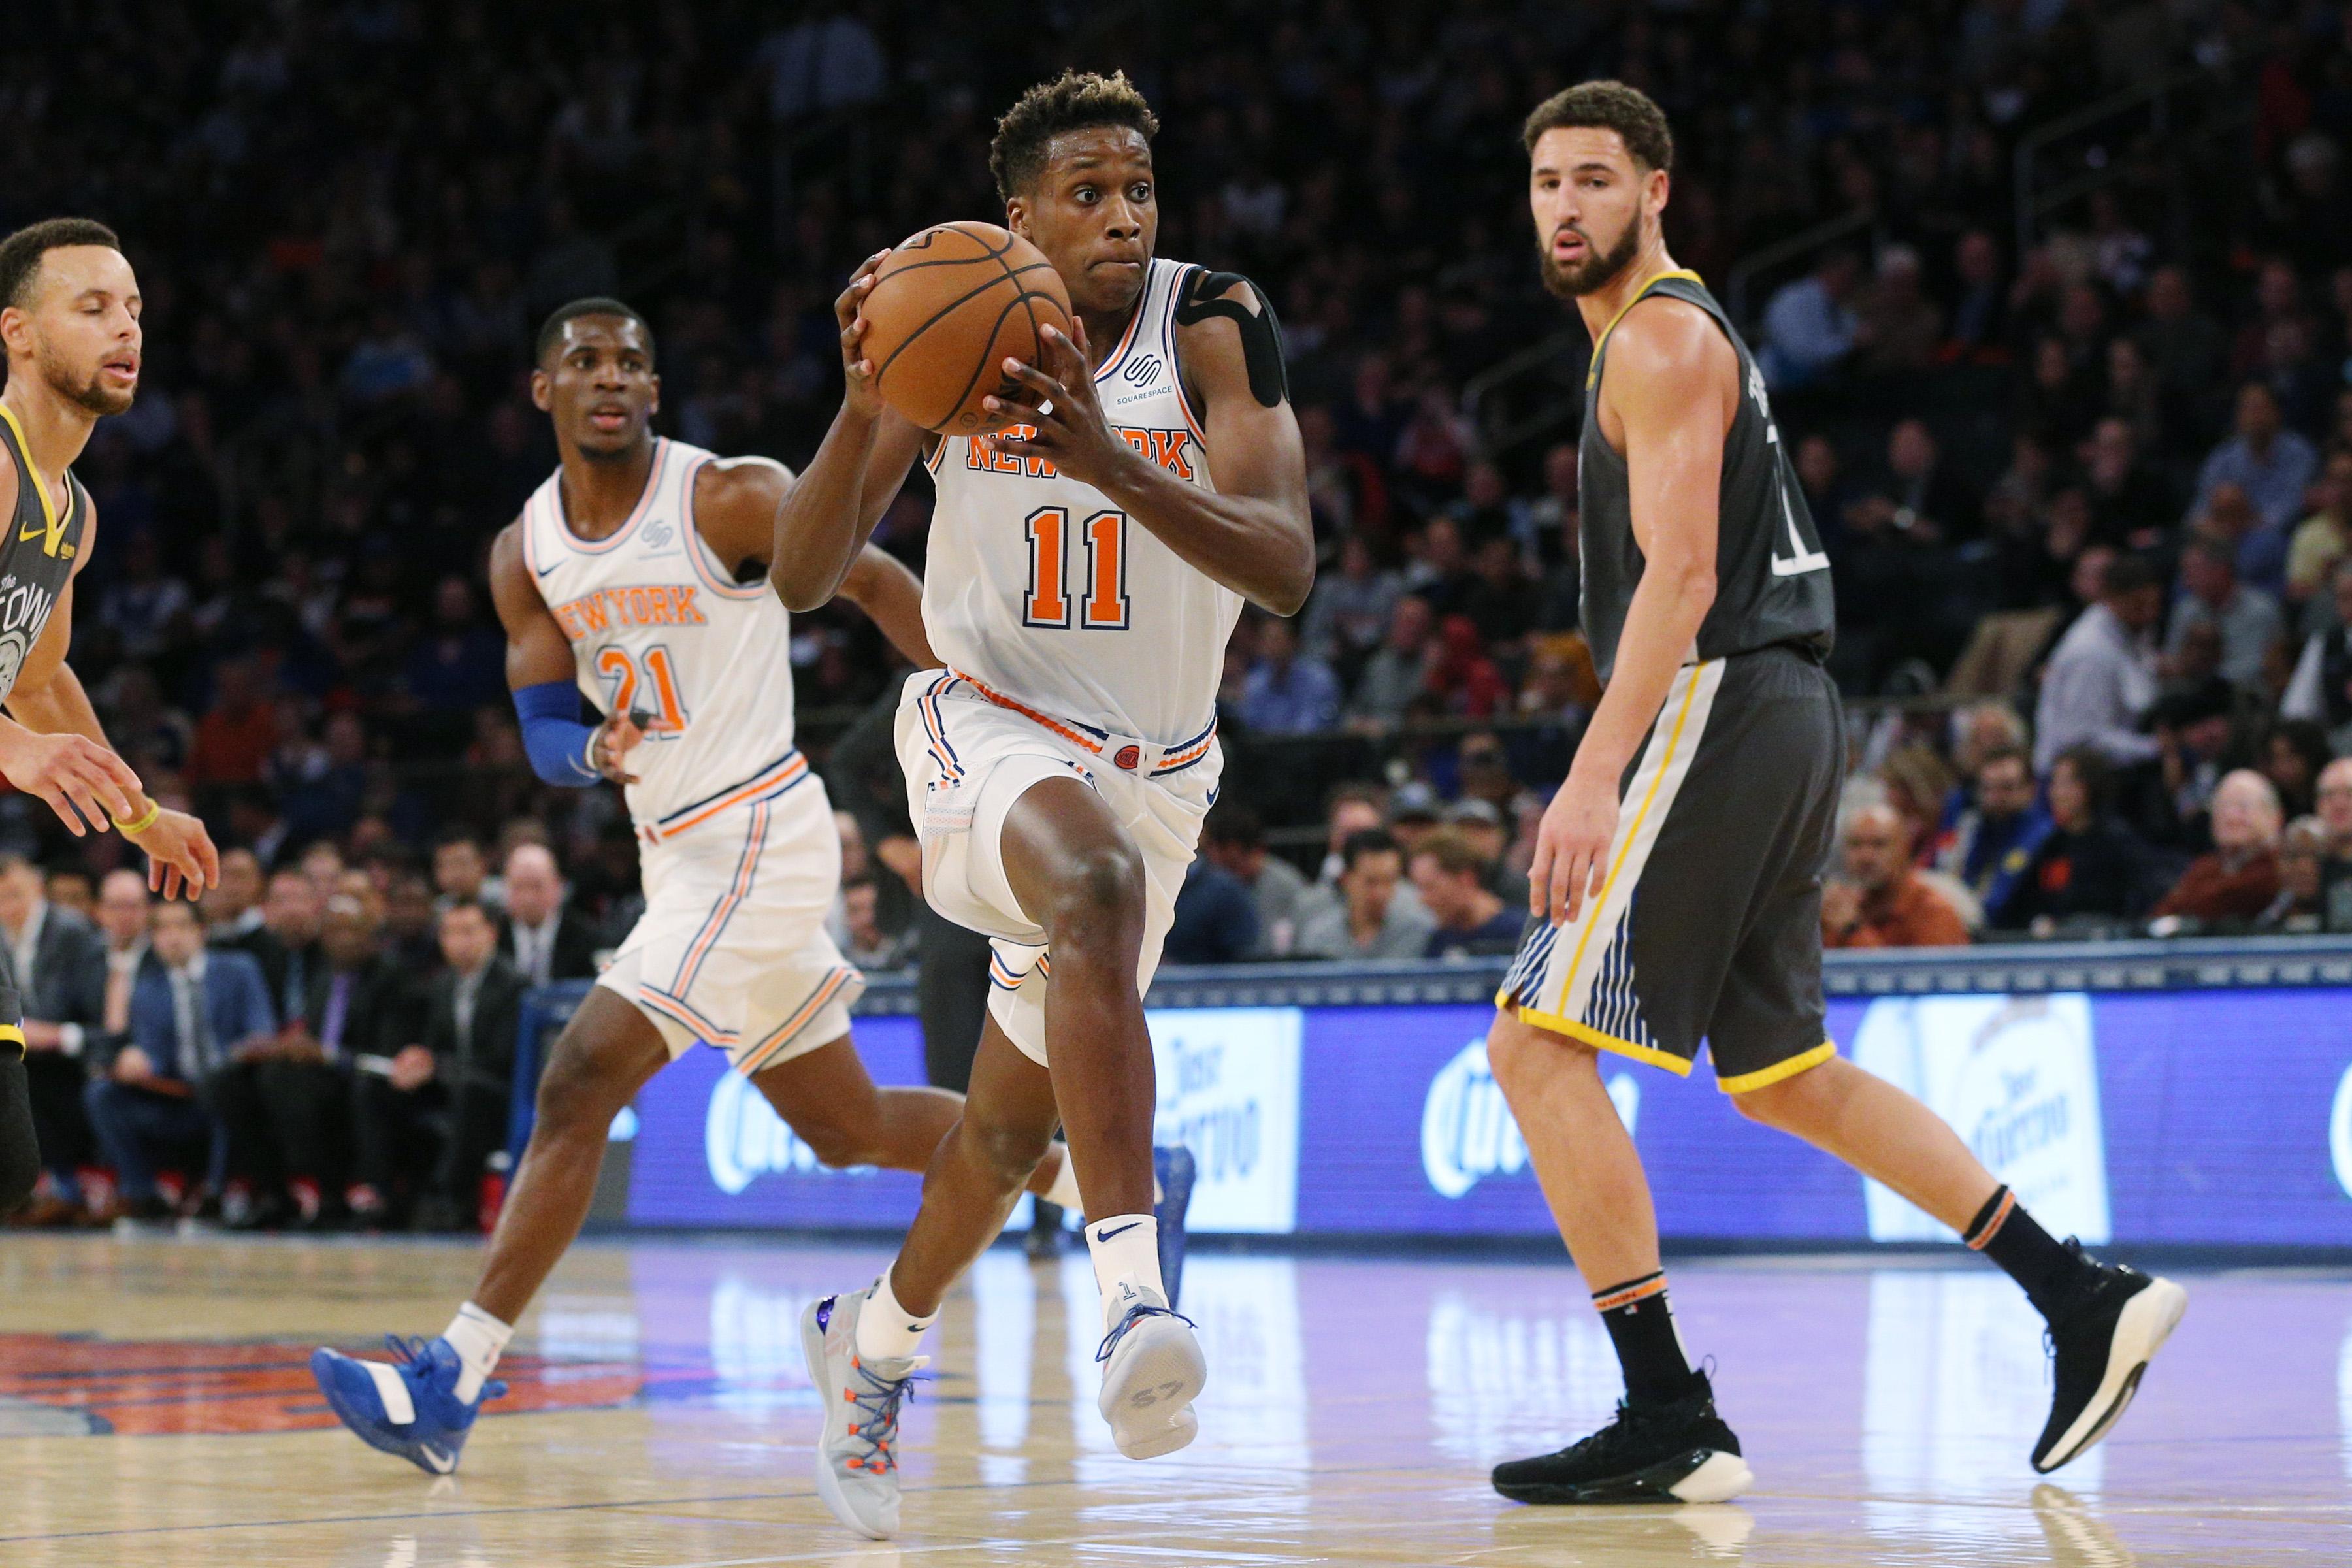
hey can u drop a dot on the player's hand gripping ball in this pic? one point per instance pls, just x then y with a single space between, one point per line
940 315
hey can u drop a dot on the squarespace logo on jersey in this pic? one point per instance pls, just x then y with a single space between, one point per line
1467 1130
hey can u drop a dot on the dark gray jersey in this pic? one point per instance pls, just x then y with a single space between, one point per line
36 553
1772 581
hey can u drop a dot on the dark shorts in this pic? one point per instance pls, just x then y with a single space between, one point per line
1710 925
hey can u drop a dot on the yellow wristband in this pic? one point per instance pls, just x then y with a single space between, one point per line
145 820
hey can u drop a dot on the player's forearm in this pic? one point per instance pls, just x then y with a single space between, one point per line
827 514
1263 550
1660 623
57 707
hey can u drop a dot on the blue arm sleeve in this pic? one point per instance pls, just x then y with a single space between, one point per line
552 735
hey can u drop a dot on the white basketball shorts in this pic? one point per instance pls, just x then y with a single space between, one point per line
732 947
969 755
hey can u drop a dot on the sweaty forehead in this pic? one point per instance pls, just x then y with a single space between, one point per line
1097 149
71 270
602 333
1565 147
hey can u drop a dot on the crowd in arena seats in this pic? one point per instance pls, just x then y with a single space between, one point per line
2086 477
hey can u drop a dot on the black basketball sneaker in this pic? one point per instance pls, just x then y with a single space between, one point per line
1676 1452
2101 1340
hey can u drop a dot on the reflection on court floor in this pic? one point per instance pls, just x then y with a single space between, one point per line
151 1411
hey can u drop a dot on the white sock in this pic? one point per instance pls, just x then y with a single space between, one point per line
1065 1189
478 1338
1126 1249
886 1330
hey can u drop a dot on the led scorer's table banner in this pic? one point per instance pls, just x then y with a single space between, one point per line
2190 1092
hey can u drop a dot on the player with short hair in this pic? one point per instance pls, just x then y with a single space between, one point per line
69 310
1677 876
1086 571
634 578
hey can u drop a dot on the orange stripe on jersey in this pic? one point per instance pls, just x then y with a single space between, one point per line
1082 742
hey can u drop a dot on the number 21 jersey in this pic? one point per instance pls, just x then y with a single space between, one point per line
1037 587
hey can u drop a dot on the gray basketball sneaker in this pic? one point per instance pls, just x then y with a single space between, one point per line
1153 1371
857 1456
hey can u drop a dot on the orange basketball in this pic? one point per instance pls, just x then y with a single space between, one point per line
948 307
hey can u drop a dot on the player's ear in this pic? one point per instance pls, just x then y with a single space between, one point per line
542 390
654 407
1660 185
1017 217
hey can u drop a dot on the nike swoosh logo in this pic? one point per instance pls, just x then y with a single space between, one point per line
441 1459
35 530
1122 1230
545 570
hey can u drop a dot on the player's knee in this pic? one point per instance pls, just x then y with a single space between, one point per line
1782 1104
575 1091
1522 1056
838 1144
1009 1153
1098 892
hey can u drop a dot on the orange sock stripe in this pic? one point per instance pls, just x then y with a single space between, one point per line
1626 1295
1991 1227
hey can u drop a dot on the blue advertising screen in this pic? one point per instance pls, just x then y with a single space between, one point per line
2209 1116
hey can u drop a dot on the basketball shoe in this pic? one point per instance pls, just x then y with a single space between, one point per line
2101 1340
410 1408
1679 1451
1153 1371
856 1456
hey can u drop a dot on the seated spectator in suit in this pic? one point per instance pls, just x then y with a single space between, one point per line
1471 921
2300 908
1881 901
1234 838
2089 866
59 965
232 908
1993 840
286 944
190 1013
430 1116
285 1102
460 871
541 936
2236 881
1370 918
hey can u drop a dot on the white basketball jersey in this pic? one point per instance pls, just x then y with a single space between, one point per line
1036 586
659 629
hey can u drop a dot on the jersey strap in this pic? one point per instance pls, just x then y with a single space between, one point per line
1592 371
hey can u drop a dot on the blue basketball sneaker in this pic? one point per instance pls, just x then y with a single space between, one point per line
409 1407
1172 1164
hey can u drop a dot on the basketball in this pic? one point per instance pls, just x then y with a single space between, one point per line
948 307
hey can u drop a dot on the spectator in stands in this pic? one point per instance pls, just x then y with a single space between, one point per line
428 1123
1465 682
1414 813
2301 908
867 945
287 944
1471 921
1980 305
2320 689
1368 920
232 908
1288 692
2334 808
60 973
285 1102
189 1011
2248 619
2101 682
2293 755
2320 541
2188 349
1809 328
1398 670
1880 900
2089 866
1899 327
541 934
69 890
1234 838
1993 842
2238 877
1488 832
2132 505
2273 465
460 870
1919 496
1350 609
1214 922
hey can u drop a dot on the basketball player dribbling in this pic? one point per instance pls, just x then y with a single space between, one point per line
1085 573
69 310
1677 883
634 578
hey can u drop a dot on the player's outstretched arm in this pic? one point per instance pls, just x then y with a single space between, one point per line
54 747
736 504
1252 532
824 519
542 676
1673 384
892 596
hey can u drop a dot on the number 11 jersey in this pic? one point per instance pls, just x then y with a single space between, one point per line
1039 589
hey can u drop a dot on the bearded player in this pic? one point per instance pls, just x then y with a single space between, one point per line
1084 577
69 310
634 578
1677 884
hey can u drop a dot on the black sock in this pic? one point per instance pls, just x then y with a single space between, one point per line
2028 1254
1642 1326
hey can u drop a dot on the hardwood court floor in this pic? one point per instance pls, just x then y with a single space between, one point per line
155 1409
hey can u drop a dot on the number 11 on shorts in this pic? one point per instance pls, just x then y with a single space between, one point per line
1047 601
